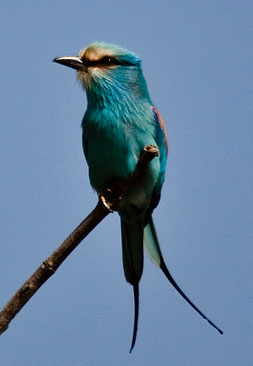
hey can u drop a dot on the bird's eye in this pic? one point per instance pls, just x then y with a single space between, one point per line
109 60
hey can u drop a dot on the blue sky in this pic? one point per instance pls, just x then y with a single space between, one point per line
197 59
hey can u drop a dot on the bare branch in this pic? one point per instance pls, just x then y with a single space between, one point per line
107 203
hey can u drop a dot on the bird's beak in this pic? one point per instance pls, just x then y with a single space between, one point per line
71 61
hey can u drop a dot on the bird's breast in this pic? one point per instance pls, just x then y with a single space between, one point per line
112 143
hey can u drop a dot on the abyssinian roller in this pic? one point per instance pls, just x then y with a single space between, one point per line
119 122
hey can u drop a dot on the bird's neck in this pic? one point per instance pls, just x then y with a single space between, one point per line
110 99
111 94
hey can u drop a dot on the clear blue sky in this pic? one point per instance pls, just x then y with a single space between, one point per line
197 59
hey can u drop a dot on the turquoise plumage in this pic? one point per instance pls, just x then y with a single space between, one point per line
119 121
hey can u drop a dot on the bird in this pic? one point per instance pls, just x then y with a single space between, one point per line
120 120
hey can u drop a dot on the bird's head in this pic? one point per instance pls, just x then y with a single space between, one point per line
106 68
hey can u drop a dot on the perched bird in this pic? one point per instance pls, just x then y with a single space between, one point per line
119 122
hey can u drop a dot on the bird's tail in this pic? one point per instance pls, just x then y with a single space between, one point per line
153 248
132 251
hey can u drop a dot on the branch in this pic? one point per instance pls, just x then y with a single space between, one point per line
107 203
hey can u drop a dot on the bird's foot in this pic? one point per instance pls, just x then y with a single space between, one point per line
111 200
106 203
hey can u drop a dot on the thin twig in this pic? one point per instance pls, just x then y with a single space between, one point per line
106 204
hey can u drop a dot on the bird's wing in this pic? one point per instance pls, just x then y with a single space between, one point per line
161 141
161 129
150 236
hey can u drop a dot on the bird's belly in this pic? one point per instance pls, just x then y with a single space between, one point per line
112 151
110 162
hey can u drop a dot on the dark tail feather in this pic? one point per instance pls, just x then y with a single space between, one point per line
136 315
132 249
155 252
175 285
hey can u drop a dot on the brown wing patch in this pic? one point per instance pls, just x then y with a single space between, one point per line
162 125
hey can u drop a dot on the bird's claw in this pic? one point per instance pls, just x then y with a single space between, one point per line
106 203
111 199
